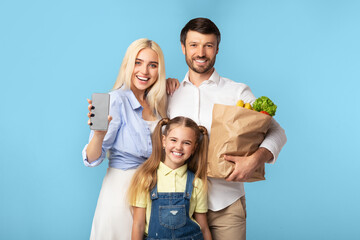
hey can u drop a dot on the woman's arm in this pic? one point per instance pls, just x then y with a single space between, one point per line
202 221
138 228
94 148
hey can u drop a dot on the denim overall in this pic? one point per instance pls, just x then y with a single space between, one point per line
170 215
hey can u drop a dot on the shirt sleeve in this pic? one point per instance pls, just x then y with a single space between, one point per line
275 138
115 113
200 196
141 200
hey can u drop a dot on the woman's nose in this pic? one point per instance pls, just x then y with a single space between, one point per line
144 69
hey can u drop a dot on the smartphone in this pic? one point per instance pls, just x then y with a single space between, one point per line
101 103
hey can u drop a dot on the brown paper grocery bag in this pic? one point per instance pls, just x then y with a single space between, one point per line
235 131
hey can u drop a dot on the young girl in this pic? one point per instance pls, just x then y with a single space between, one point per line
168 192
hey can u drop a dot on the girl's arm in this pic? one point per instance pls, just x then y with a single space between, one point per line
138 228
202 221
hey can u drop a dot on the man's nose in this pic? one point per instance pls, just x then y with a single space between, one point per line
201 51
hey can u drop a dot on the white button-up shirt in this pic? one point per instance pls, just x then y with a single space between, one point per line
197 103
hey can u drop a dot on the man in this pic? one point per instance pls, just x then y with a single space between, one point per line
201 88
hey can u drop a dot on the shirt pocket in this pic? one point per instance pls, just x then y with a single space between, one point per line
172 216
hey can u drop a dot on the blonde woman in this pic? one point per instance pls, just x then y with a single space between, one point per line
137 102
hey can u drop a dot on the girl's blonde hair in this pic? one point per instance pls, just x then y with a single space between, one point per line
145 177
156 94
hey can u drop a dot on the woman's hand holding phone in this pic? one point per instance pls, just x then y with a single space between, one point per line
93 150
99 129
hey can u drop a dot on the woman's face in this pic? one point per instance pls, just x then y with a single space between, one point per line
145 72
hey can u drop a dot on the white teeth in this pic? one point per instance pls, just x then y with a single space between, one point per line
200 61
142 79
177 154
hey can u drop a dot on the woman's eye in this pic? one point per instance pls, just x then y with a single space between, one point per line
153 65
137 63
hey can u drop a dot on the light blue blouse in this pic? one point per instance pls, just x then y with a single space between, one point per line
128 139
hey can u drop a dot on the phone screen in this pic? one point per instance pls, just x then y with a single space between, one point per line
100 102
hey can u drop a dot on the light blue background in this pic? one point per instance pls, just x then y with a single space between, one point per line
305 55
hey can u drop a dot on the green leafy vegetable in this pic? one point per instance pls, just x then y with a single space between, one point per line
265 104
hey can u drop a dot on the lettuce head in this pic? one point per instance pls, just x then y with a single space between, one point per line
265 104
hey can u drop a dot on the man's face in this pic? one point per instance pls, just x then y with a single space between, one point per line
200 51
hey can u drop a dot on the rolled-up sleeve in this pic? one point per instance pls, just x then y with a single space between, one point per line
274 140
94 163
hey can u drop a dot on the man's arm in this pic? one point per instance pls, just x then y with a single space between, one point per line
246 166
268 152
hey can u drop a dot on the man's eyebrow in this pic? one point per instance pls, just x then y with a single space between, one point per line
199 42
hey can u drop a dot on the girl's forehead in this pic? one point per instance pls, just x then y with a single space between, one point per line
180 129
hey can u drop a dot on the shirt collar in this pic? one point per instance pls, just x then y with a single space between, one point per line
132 99
215 78
165 170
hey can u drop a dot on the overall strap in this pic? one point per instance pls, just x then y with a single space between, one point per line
154 193
189 184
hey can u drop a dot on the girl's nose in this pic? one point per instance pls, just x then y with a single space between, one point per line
179 146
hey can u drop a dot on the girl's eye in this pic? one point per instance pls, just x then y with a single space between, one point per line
153 65
187 143
137 63
172 140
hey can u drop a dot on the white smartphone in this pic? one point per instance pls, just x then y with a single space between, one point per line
100 111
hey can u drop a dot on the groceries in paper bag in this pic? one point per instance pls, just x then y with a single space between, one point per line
238 130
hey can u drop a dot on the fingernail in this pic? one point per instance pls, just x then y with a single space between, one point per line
92 107
91 115
91 124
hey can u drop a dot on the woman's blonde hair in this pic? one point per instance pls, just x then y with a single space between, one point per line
156 94
145 177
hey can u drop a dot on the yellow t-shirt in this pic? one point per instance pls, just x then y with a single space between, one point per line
169 180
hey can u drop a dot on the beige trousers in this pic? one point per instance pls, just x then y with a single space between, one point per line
230 222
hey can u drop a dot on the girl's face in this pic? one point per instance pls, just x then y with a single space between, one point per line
145 71
179 144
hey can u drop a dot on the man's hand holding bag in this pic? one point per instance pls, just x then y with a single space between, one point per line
236 131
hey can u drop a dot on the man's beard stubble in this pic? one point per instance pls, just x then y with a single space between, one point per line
204 69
